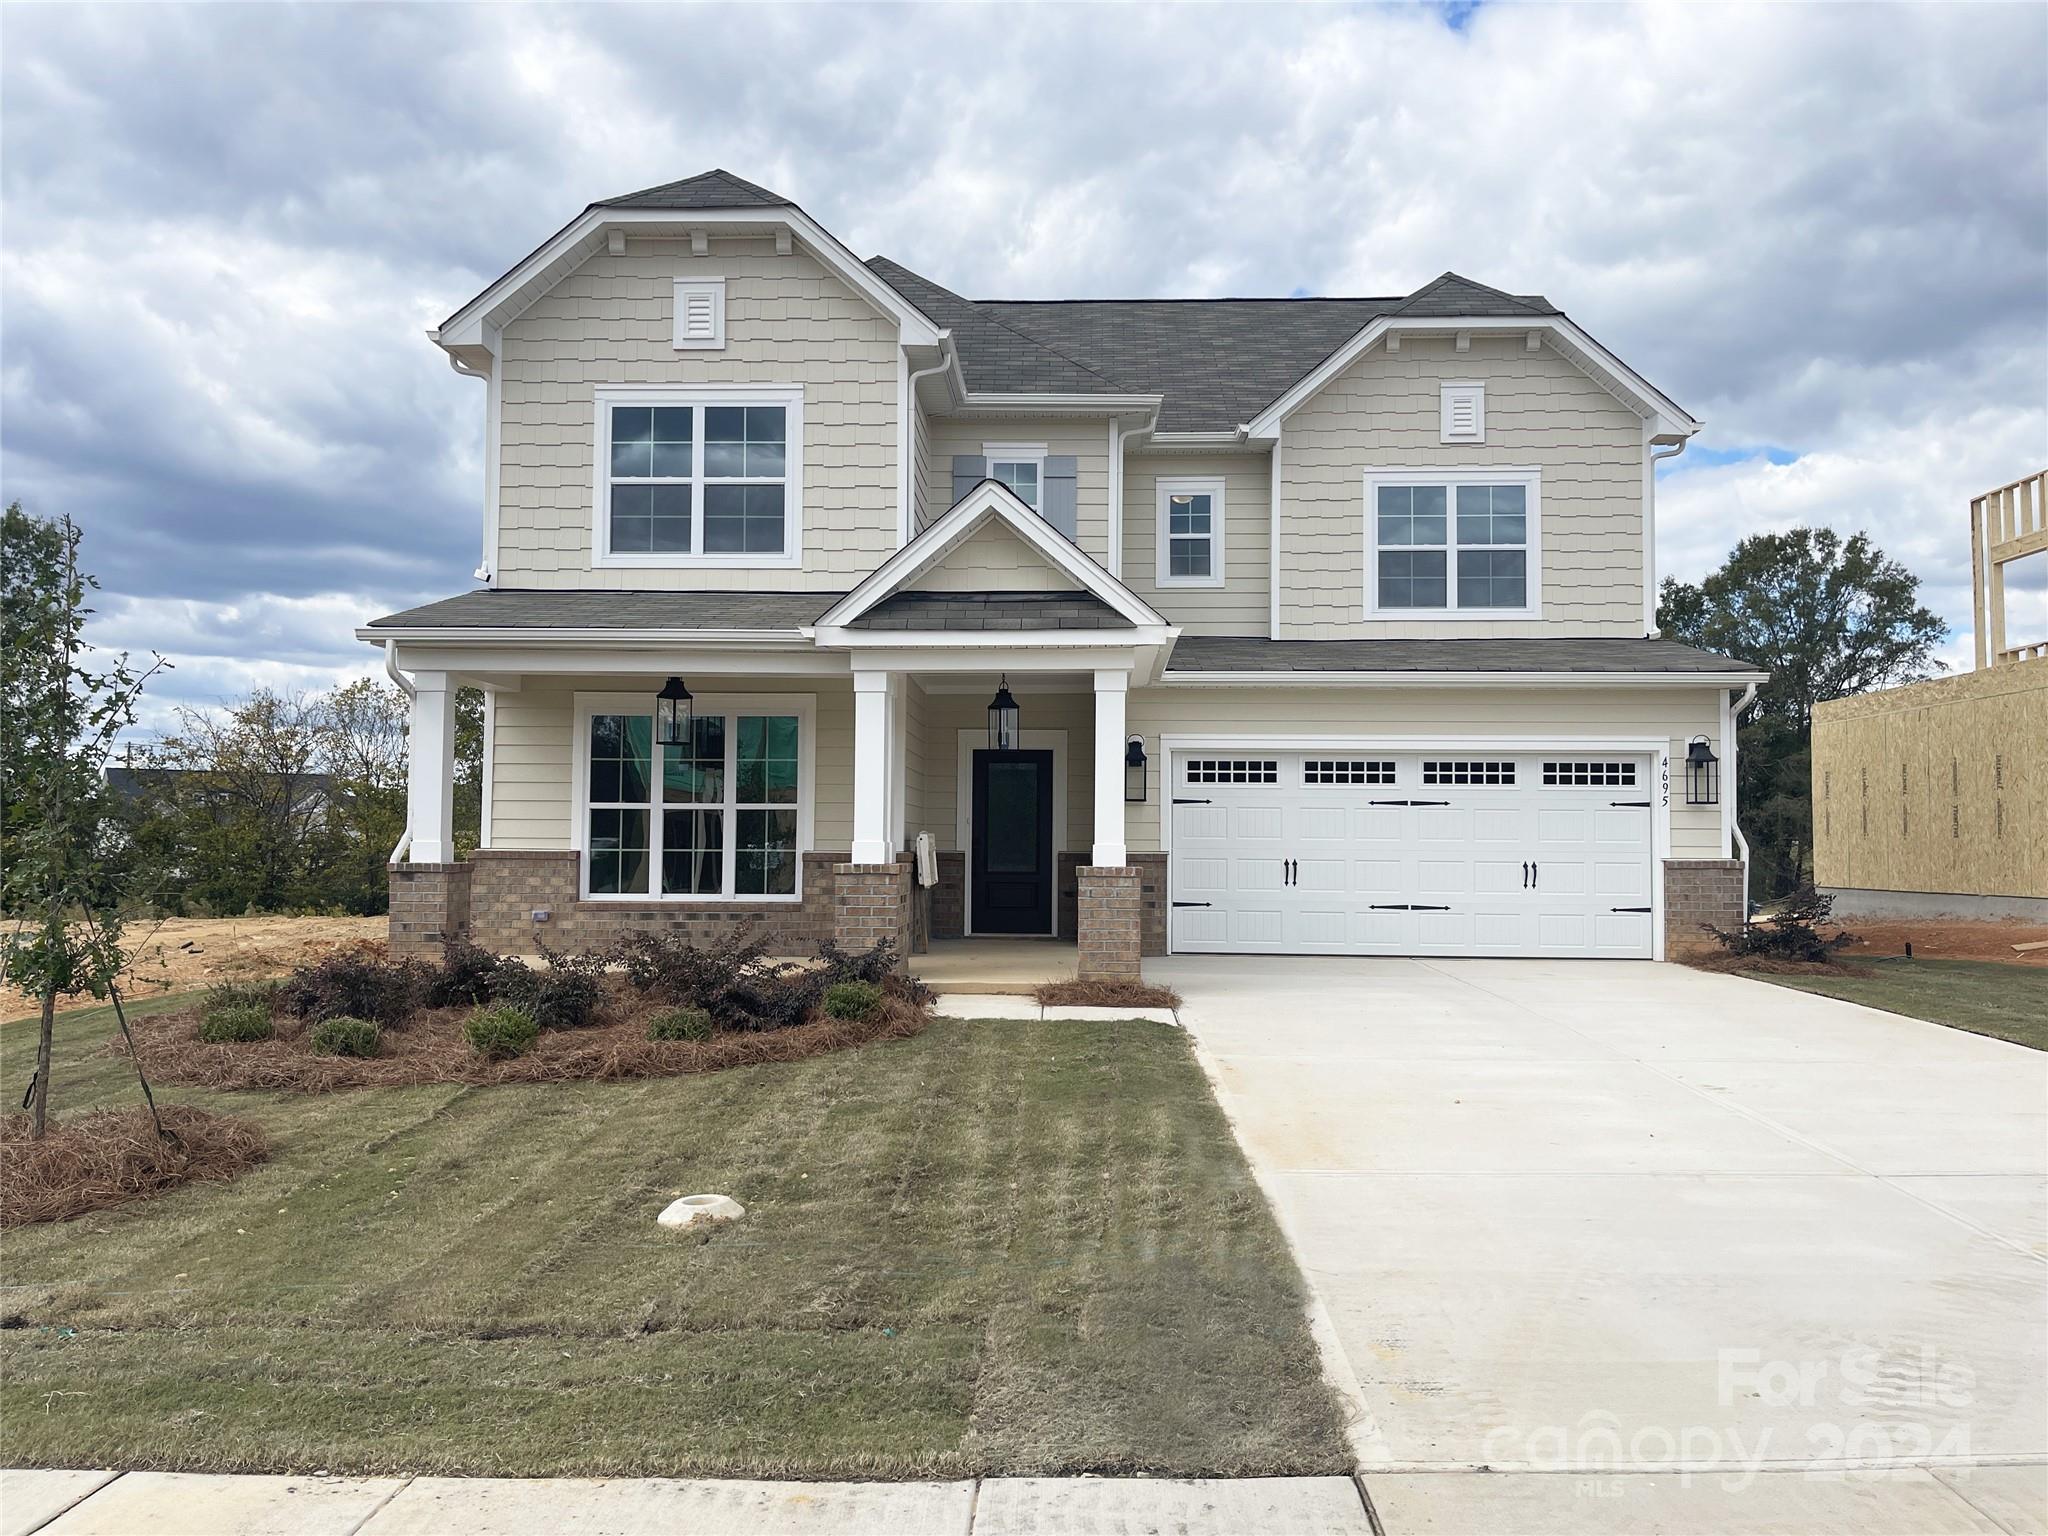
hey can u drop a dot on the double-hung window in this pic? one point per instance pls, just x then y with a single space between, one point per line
1020 466
725 815
1452 544
698 476
1190 533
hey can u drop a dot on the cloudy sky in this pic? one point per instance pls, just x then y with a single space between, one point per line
224 230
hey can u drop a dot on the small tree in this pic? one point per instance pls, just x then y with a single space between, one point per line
60 720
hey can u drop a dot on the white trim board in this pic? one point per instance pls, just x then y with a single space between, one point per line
969 742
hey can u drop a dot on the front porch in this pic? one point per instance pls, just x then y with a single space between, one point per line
996 966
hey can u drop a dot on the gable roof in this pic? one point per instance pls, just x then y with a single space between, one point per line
713 189
1452 296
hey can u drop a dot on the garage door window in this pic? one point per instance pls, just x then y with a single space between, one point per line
1452 543
1346 770
1233 770
1459 770
1590 775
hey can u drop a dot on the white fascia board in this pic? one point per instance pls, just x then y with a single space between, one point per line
1179 678
627 660
534 635
465 326
1613 373
1031 404
1059 655
991 639
990 499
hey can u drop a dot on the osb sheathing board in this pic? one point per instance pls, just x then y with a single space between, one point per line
1937 786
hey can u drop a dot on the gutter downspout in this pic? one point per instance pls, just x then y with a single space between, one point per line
1729 750
404 685
1119 434
910 381
483 570
1651 460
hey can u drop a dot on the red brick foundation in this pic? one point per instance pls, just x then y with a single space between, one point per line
1109 926
1698 892
872 902
430 906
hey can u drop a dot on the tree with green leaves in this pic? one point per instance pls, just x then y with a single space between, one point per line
1827 617
59 717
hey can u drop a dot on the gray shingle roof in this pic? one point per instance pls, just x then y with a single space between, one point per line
1218 362
926 611
713 189
1232 653
511 608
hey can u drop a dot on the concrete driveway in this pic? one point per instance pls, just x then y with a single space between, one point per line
1663 1250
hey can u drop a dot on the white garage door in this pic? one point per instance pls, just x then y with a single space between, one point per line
1412 853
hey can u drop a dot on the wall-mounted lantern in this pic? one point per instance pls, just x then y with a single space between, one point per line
1702 773
672 714
1004 733
1134 770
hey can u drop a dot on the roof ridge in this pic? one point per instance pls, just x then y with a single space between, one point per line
738 184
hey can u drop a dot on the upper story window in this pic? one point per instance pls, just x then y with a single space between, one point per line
698 476
1020 466
1190 533
1452 544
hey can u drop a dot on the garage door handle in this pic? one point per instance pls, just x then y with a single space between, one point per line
1191 903
1535 876
1403 906
1408 802
1628 909
1177 800
1525 874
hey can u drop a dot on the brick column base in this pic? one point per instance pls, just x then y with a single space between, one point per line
1697 892
871 902
429 908
1108 921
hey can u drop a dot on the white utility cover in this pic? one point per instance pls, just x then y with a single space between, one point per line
1450 852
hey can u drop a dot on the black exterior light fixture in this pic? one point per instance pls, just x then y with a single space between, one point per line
1003 732
1702 773
672 710
1134 770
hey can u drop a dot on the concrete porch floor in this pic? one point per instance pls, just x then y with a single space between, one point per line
995 965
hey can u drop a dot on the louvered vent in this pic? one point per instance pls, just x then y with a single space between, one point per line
700 312
1464 413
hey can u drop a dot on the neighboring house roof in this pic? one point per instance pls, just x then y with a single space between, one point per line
991 611
515 608
132 783
713 189
1231 653
1217 362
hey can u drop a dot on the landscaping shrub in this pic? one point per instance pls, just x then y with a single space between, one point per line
235 1024
501 1033
239 994
853 1000
465 977
553 999
1790 933
670 969
680 1024
356 984
344 1037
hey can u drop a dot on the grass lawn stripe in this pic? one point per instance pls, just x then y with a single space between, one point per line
2007 1002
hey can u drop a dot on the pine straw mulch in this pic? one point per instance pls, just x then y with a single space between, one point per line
111 1156
1722 963
1108 994
432 1049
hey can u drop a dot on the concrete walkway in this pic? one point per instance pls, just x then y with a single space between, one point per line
1661 1250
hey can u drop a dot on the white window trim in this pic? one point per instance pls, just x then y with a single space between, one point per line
803 705
1166 488
715 286
1018 453
1531 480
789 396
1445 391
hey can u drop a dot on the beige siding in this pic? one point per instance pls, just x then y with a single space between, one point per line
1085 441
788 321
1673 714
923 508
1382 413
530 793
993 559
916 759
1240 606
948 714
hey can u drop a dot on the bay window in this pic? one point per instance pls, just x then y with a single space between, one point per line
698 476
1452 544
725 815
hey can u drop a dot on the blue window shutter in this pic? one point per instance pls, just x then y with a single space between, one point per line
969 470
1060 497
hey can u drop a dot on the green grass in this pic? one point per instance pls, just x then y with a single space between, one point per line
990 1249
2009 1002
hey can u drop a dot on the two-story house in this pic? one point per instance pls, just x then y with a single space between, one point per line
1293 626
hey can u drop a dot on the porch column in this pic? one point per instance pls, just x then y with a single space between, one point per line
1110 691
871 769
430 771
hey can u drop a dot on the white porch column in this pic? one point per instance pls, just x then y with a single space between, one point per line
1110 691
430 771
871 768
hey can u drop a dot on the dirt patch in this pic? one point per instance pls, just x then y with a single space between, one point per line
1723 963
1947 939
1108 994
433 1049
186 952
112 1156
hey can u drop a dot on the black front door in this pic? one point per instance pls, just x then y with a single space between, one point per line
1012 857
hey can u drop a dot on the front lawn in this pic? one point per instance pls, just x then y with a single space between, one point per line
1985 998
992 1249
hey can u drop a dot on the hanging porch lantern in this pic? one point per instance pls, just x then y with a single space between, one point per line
1134 770
1003 731
672 714
1702 773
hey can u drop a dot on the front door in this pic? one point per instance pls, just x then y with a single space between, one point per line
1012 859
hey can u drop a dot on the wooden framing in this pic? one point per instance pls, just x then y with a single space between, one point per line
2007 524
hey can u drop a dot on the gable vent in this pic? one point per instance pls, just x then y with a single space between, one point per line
1464 412
700 312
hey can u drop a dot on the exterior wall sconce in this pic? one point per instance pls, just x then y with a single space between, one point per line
1134 770
1003 731
1702 773
672 714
